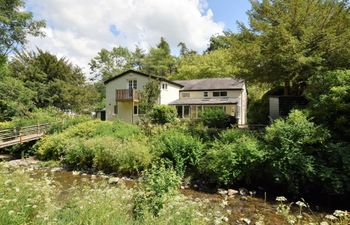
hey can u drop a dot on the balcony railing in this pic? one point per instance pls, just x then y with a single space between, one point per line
127 95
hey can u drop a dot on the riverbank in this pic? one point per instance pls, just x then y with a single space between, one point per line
225 207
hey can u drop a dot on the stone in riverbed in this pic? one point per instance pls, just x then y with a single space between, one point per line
75 173
231 192
222 192
56 169
113 180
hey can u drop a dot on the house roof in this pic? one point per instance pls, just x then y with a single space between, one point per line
204 101
142 74
211 84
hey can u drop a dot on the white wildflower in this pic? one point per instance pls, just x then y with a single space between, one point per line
330 217
300 204
281 199
340 213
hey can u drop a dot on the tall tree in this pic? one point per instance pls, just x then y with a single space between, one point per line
110 63
15 26
213 64
55 81
289 40
159 61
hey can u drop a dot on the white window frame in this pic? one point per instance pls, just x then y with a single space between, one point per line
132 84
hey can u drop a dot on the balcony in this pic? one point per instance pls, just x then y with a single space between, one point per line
127 95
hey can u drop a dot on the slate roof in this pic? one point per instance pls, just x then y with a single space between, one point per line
211 84
204 101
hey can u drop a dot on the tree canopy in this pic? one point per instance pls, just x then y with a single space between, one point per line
15 26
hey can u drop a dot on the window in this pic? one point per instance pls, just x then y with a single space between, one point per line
219 93
185 95
205 94
164 86
132 84
136 110
116 108
223 93
186 111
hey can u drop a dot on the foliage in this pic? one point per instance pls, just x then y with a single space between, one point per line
208 65
157 186
52 146
108 154
55 81
294 142
180 149
237 156
28 200
333 170
159 61
329 94
215 118
258 103
15 98
288 41
110 63
149 96
16 25
162 114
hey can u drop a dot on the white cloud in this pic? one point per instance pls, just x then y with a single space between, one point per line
78 29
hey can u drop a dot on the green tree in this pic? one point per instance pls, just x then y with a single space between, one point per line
15 98
110 63
159 61
149 96
213 64
329 95
55 81
15 26
288 41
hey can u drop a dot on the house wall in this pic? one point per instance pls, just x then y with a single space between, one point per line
122 83
240 109
170 94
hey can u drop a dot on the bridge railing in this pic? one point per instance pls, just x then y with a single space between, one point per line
19 132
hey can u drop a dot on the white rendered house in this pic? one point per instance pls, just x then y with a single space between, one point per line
189 97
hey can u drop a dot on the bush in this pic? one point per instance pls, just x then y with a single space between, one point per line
107 154
53 146
238 159
178 148
293 143
129 157
162 114
215 118
158 184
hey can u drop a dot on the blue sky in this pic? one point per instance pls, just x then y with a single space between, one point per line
230 11
79 29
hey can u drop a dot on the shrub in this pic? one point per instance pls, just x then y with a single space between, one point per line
53 146
158 184
293 143
178 148
162 114
215 118
238 160
129 157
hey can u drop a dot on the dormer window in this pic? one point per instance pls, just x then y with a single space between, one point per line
220 93
185 95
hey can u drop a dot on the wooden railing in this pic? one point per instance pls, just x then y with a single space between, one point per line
126 95
19 135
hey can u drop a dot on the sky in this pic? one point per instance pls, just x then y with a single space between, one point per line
79 29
